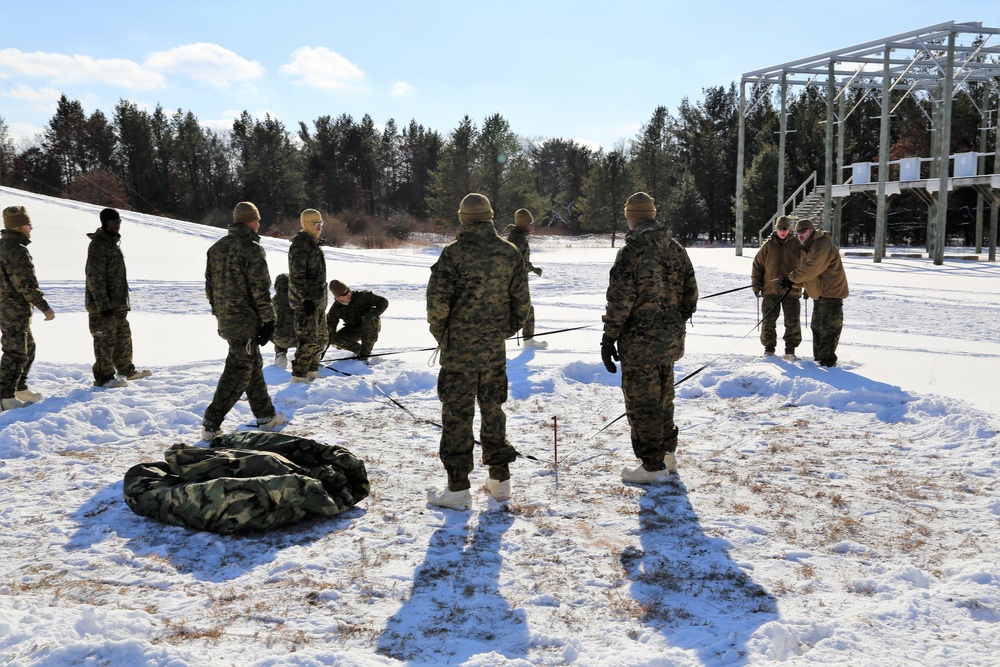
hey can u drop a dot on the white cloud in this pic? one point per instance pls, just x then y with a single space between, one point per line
402 88
59 68
24 134
37 97
206 63
323 68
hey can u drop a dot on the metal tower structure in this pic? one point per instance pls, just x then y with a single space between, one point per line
938 61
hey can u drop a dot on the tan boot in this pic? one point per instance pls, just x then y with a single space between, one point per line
639 475
455 500
27 396
499 490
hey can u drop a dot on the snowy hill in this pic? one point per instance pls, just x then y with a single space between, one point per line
821 516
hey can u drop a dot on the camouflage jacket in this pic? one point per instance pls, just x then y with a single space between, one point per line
306 272
651 293
284 319
238 284
519 237
107 284
775 260
821 270
18 286
247 481
477 296
362 301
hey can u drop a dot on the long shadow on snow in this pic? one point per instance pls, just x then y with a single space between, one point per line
455 609
206 556
687 587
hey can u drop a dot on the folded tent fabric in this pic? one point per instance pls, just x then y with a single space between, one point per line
247 481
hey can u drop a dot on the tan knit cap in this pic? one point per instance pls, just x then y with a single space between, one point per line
15 217
307 218
640 207
245 212
338 288
804 224
475 206
522 216
783 222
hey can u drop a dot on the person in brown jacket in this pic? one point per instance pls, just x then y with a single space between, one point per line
777 257
822 274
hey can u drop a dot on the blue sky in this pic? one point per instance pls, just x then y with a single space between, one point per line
586 70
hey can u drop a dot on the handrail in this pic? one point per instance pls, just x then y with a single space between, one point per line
787 202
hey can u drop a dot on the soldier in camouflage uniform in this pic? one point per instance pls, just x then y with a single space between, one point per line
107 303
651 294
284 324
307 295
19 292
822 273
477 296
777 257
361 312
518 235
238 287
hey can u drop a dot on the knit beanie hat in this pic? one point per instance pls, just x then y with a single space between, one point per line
522 216
640 207
783 222
804 224
475 206
307 219
245 212
338 288
109 215
15 217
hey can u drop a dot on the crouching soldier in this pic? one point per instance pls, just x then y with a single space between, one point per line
361 314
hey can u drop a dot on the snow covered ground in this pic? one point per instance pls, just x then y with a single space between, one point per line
821 516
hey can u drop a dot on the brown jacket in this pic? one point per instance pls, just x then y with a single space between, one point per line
821 271
775 260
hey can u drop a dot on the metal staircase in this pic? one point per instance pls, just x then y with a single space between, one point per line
806 202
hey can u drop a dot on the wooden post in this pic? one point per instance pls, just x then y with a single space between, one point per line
555 441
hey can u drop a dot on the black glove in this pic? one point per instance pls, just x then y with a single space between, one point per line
265 332
786 283
369 317
537 271
609 352
756 291
107 313
308 306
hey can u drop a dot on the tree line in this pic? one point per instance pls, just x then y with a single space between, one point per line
397 178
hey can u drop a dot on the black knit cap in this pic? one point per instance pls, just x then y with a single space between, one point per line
109 215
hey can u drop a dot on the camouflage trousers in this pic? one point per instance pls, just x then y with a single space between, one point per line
827 323
649 406
358 339
771 305
310 333
18 354
244 373
459 393
528 330
112 347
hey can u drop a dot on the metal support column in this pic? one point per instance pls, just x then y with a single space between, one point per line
881 212
781 145
828 172
945 136
740 148
839 209
981 163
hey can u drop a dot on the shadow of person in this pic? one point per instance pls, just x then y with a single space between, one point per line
685 585
455 610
